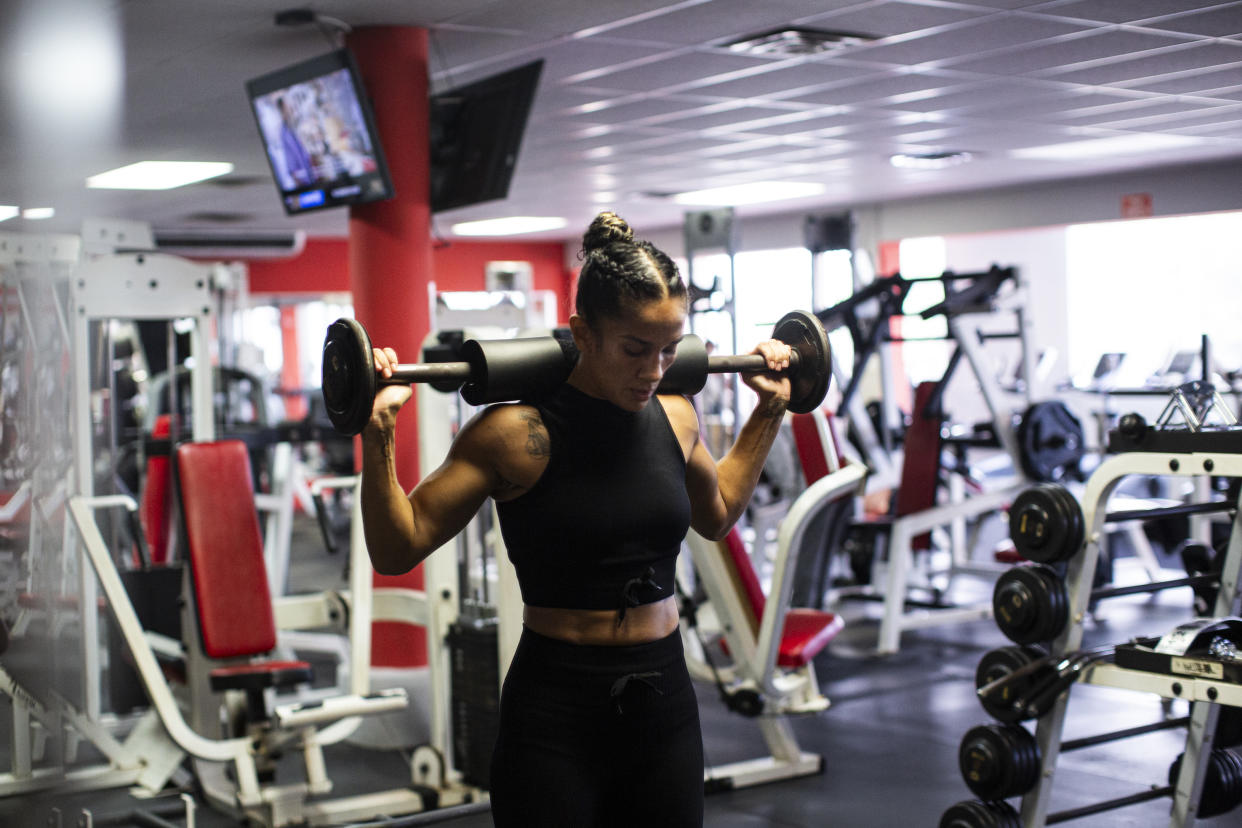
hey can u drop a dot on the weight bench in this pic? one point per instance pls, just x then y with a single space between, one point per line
908 530
771 645
228 629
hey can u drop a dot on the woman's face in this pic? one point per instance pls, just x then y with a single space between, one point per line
624 357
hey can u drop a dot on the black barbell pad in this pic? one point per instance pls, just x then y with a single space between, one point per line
513 369
688 373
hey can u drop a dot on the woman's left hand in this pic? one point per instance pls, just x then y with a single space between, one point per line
771 385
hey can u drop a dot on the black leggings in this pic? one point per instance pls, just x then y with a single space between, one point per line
592 737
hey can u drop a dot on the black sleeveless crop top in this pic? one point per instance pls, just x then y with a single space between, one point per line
602 526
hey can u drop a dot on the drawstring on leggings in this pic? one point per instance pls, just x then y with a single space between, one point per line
618 686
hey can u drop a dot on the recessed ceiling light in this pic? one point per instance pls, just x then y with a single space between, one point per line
929 160
510 226
37 213
1101 147
794 40
8 211
753 193
158 175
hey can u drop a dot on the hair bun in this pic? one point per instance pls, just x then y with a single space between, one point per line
606 229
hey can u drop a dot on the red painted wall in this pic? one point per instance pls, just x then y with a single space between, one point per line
323 267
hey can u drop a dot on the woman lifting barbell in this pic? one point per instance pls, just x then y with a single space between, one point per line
596 489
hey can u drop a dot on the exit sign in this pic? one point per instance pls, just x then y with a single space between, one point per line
1136 205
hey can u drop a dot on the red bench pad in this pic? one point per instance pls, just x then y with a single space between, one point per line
806 631
225 549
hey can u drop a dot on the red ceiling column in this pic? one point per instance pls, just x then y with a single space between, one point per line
390 258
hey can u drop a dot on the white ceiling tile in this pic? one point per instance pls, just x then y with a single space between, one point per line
1119 114
1197 56
734 117
1231 94
990 33
1158 122
874 90
693 68
1223 22
554 16
1189 83
893 18
1092 46
781 82
1120 11
718 21
1046 106
641 109
571 58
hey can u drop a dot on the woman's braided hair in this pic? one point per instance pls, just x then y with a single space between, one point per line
619 271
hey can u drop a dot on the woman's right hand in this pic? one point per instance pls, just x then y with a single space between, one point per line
388 398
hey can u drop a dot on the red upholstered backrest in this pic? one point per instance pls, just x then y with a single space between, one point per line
225 549
920 468
816 440
156 507
744 571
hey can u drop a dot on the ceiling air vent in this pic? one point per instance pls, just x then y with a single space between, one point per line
796 41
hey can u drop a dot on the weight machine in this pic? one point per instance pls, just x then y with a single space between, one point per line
51 716
184 721
771 645
1044 443
1197 662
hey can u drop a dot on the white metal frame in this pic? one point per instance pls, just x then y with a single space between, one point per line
1204 694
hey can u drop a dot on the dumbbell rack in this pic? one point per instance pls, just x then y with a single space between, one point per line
1182 454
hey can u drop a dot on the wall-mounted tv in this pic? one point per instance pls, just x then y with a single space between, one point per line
319 134
476 133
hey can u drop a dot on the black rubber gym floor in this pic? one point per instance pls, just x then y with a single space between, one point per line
890 739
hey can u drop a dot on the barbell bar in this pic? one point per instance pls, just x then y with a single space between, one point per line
499 370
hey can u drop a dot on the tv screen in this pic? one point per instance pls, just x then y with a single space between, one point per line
319 134
476 132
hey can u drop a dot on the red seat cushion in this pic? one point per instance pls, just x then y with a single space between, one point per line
807 631
261 674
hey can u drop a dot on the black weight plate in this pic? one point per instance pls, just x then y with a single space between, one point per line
1050 440
975 814
997 664
348 376
1046 523
1029 604
1222 787
998 761
809 384
1077 522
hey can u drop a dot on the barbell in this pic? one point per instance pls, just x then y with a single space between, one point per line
508 369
